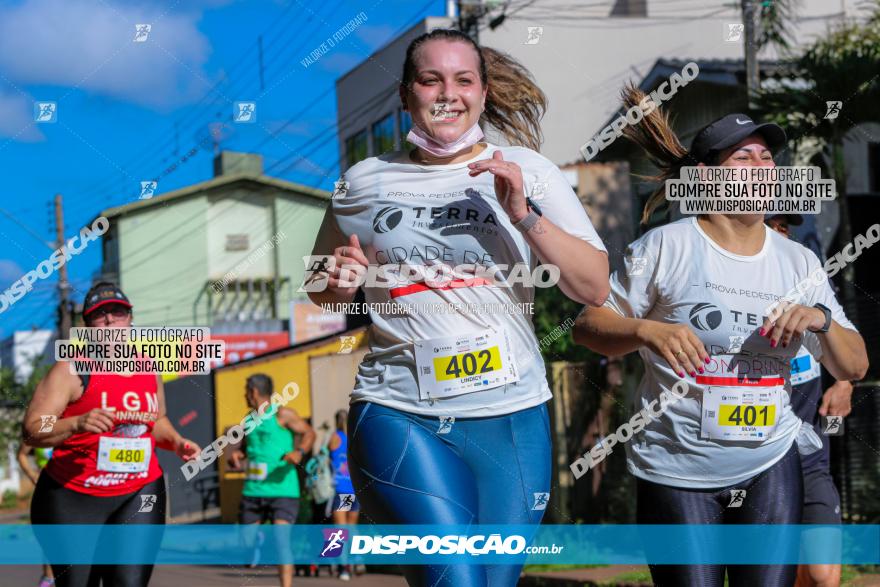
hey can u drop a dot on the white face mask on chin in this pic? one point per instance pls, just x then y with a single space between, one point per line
424 141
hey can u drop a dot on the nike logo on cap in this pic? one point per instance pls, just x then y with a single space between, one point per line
746 121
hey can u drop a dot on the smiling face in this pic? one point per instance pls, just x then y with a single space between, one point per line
749 152
447 96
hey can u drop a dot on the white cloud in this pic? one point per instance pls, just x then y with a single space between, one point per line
374 35
300 128
340 62
87 44
17 121
9 272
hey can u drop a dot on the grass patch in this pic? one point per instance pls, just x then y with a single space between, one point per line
546 568
630 577
9 500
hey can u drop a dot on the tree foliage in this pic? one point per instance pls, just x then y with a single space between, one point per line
842 66
14 398
775 18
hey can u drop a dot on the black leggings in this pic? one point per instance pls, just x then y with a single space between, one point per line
54 504
773 497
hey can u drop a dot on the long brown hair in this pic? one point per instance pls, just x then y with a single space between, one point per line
514 103
654 134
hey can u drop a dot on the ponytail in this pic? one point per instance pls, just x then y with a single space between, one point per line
514 102
654 134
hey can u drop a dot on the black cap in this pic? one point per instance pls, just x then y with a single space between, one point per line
101 294
730 130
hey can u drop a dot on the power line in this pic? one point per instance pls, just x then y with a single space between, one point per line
405 27
615 23
259 220
354 115
198 107
317 143
27 229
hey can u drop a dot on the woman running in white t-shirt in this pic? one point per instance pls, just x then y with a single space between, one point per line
448 422
693 301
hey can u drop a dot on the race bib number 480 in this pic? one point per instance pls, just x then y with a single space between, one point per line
740 413
124 455
455 365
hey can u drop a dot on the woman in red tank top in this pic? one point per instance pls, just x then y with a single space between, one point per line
88 419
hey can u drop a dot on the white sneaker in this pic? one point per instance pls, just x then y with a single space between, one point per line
344 576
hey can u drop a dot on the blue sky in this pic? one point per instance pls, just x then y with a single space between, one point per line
128 111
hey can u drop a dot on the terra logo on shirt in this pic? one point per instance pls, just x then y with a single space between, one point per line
386 219
432 218
705 316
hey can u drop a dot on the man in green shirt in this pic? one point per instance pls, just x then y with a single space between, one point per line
273 450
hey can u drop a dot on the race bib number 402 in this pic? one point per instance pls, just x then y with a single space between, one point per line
454 365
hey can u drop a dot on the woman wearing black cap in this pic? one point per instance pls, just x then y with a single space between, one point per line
87 419
693 301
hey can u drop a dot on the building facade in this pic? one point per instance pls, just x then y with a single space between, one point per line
225 253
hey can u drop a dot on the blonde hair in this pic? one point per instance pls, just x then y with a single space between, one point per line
514 102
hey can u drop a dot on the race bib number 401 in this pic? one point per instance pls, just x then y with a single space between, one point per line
455 365
124 455
740 413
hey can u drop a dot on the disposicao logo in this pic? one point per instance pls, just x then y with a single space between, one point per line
334 542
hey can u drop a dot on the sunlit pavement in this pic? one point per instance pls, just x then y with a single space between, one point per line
209 576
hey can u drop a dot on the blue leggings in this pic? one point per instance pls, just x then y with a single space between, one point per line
410 469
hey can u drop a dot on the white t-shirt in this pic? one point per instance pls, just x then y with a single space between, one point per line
403 212
684 277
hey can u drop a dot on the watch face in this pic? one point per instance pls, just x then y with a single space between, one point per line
827 313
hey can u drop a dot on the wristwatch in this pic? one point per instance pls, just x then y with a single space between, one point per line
531 218
827 325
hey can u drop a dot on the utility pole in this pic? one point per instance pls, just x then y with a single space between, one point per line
64 313
750 32
469 14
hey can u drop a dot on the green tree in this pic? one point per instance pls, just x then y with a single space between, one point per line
775 18
554 310
14 398
843 66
